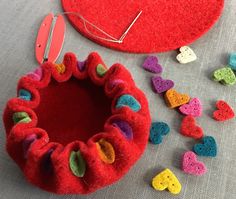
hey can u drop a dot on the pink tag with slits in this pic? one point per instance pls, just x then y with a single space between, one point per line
50 38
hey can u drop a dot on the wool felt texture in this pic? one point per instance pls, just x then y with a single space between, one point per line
191 165
166 180
157 131
189 128
208 147
151 64
162 26
224 112
74 111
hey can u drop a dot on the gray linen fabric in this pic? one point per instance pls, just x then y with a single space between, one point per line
19 22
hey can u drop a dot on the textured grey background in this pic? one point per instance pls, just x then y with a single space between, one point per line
19 22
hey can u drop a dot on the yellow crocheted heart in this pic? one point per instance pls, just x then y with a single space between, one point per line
166 180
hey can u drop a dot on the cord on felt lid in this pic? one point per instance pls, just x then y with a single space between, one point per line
109 38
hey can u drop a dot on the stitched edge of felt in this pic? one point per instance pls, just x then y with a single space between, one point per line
98 174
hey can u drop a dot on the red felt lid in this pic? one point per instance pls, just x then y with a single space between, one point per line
162 26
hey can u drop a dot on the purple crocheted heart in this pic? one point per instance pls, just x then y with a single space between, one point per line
27 143
161 85
151 64
81 65
124 127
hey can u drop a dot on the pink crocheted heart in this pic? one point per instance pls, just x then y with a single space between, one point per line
193 108
191 165
36 74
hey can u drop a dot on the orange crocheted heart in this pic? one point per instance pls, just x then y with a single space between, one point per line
175 99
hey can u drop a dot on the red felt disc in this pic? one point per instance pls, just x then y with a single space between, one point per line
162 26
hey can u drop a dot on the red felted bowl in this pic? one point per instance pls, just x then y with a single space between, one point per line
76 127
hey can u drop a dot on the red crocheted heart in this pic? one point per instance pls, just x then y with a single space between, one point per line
224 112
162 26
190 129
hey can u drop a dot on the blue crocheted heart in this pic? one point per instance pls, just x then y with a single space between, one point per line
24 94
158 130
130 101
208 148
232 61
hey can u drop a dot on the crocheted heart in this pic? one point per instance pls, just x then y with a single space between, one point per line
186 55
21 117
225 75
190 129
224 112
175 99
191 165
158 130
30 139
129 101
124 127
161 85
81 65
166 180
208 148
193 108
162 26
106 151
24 94
151 64
101 70
115 83
77 164
36 74
232 61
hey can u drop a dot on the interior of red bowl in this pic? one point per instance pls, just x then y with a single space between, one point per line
78 110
